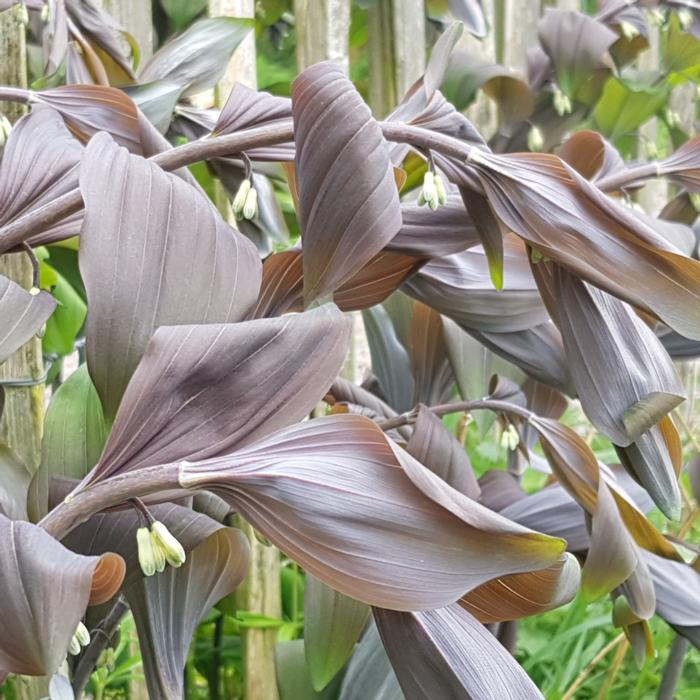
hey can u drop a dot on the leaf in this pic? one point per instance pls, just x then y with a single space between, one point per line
143 274
409 540
197 58
683 167
156 100
293 678
578 47
22 315
446 653
332 625
14 484
624 378
64 324
472 14
459 286
390 361
39 164
369 673
680 52
246 108
434 446
212 570
46 589
349 205
591 155
559 214
89 109
182 12
654 459
74 435
521 595
201 391
623 108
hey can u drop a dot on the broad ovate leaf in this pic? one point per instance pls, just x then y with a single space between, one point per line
448 654
213 569
201 391
46 589
333 623
348 202
383 528
39 164
154 251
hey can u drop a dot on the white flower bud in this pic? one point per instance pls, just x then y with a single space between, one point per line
82 635
171 547
147 555
510 438
250 209
535 139
45 13
562 103
22 14
650 150
685 17
441 191
5 129
74 648
240 198
429 192
629 31
657 16
673 118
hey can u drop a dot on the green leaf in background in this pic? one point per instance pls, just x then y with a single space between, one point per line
680 53
333 624
623 107
293 679
74 435
182 12
65 323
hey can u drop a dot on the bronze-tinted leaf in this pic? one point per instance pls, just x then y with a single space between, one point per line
434 446
561 214
623 375
591 155
39 164
180 264
683 165
212 570
521 595
409 541
578 47
46 589
22 315
200 391
246 108
349 206
448 654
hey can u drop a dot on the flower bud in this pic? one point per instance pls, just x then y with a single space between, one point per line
650 150
441 191
240 198
562 103
250 209
429 192
685 17
82 635
74 648
22 14
673 119
170 546
657 16
629 31
510 438
5 129
147 555
535 139
45 13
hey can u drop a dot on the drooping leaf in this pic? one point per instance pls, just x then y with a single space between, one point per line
156 100
623 376
434 446
554 209
446 653
521 595
200 391
683 166
591 155
415 541
196 59
246 108
46 589
333 623
212 570
349 206
293 674
143 274
578 47
22 315
182 12
74 435
369 673
39 164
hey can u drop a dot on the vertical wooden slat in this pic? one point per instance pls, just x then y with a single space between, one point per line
323 31
135 16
